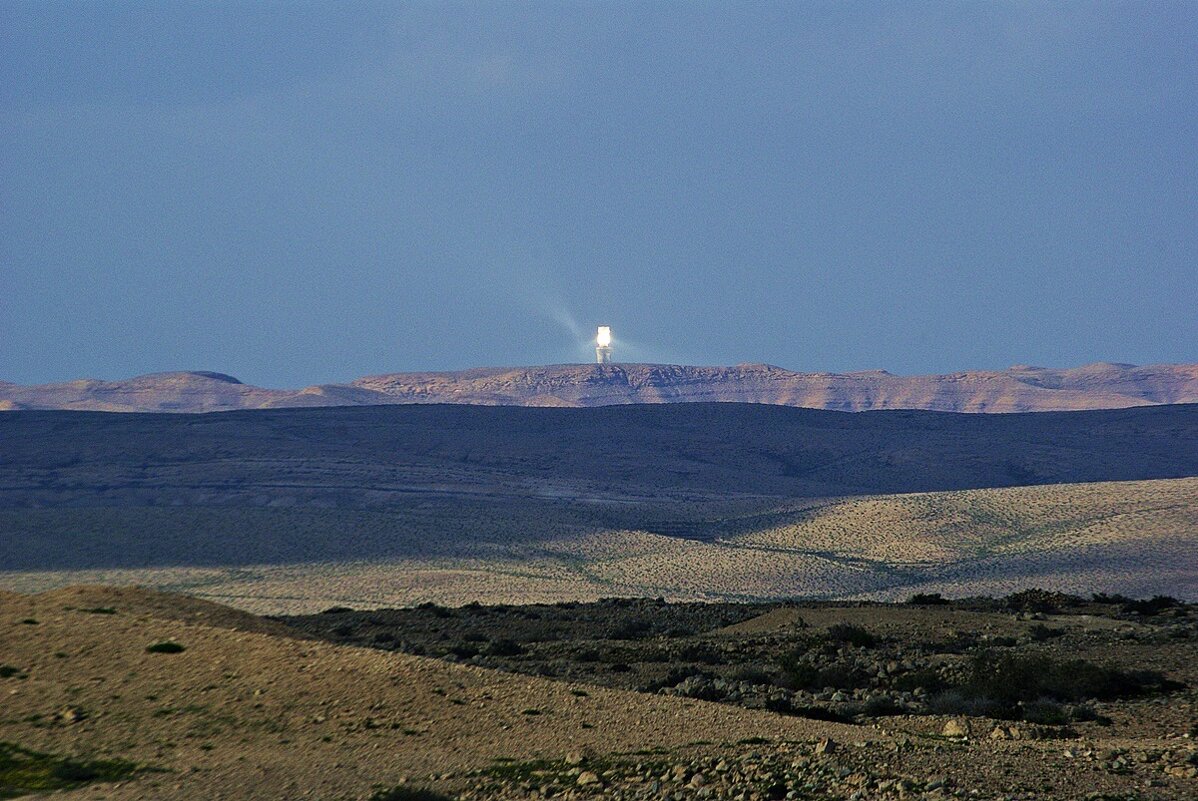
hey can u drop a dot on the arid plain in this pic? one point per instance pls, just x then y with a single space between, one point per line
462 518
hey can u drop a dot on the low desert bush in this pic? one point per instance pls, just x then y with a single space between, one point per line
408 794
1033 686
1044 601
799 673
634 629
464 650
881 706
1040 632
927 599
851 635
1151 606
701 652
165 648
505 647
927 678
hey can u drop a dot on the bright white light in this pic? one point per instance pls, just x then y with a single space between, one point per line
603 338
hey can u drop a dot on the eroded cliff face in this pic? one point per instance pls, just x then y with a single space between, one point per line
1017 389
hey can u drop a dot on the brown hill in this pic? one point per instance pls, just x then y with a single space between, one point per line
1018 389
248 714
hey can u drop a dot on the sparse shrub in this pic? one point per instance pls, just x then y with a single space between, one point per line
23 771
620 667
957 702
1039 632
100 610
1014 678
8 671
851 635
672 679
927 678
435 610
780 705
336 610
1024 686
820 713
1115 598
408 794
464 650
703 653
506 647
635 629
881 706
1046 713
927 599
1084 713
752 674
800 673
165 648
1044 601
1151 606
962 642
76 772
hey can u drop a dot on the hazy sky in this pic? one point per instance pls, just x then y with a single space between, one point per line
301 193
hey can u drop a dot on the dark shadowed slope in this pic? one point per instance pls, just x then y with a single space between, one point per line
377 456
1017 389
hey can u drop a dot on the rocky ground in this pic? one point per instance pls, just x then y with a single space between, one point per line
1086 662
128 694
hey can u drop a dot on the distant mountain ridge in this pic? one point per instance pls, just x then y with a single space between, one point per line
1020 388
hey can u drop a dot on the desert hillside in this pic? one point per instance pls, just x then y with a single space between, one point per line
1135 538
1018 389
592 462
124 693
244 714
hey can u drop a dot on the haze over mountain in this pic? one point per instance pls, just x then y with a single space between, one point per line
1020 388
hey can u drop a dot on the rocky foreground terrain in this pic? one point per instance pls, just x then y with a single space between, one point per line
130 694
1020 388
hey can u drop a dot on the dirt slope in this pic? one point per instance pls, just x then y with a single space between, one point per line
251 715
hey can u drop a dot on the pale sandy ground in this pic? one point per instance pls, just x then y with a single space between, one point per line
1138 538
250 715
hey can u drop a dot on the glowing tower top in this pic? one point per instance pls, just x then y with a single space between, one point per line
603 345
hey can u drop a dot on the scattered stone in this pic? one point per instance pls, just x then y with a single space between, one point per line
825 746
588 777
70 714
956 727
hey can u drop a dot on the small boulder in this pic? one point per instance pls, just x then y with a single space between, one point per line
588 777
70 714
956 727
825 746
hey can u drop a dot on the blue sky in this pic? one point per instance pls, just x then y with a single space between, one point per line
298 193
